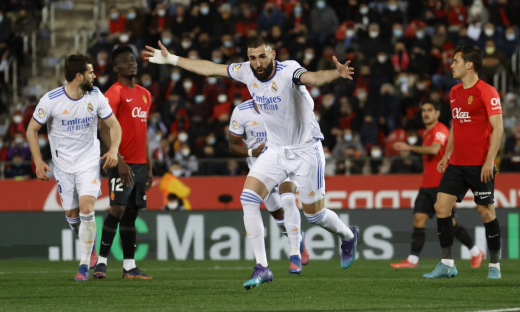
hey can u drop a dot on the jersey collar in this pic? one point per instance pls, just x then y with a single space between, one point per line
72 99
256 107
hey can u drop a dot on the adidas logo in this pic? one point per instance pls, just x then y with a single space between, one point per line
255 85
254 124
95 182
311 193
295 229
247 233
65 112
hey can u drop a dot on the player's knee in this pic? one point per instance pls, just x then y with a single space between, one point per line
440 208
486 213
287 199
249 198
419 221
117 211
278 214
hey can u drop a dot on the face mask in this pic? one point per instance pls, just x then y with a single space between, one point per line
309 56
17 119
373 34
510 37
490 50
131 15
173 205
411 140
161 13
421 86
237 102
199 99
398 32
1 144
376 153
42 142
18 141
176 76
217 60
315 92
212 80
187 85
363 10
158 137
327 155
166 40
348 137
102 63
177 173
361 96
419 34
102 80
212 141
204 10
222 98
183 137
114 16
186 45
489 32
320 4
392 7
228 44
124 38
185 152
403 80
298 10
147 83
349 33
381 58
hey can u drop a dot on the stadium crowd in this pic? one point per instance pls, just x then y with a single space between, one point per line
401 51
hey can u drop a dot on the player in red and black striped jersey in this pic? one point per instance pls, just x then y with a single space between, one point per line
433 148
473 144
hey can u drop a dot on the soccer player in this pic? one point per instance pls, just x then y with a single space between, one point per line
294 149
433 148
472 146
71 113
133 175
246 125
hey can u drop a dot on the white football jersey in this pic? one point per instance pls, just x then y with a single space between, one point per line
287 108
72 127
246 122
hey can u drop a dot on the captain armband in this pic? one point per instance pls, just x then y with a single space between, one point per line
297 75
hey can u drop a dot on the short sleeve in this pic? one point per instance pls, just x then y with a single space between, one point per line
104 110
114 99
491 100
237 71
291 70
441 136
236 127
42 113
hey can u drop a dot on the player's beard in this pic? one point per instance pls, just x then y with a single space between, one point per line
86 85
267 71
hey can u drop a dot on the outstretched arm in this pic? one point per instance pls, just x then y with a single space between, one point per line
323 77
200 67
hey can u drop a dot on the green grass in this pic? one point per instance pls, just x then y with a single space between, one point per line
217 286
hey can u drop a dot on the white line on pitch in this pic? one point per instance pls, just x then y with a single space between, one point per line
500 310
151 269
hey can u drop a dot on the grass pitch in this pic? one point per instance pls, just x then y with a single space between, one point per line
217 286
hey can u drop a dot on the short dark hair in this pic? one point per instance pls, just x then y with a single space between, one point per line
76 63
436 105
471 54
255 42
120 50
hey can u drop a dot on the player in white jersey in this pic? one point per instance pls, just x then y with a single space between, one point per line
294 149
71 113
247 125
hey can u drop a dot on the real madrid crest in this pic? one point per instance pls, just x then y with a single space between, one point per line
470 99
274 88
90 107
145 100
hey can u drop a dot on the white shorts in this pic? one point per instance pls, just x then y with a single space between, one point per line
74 185
304 165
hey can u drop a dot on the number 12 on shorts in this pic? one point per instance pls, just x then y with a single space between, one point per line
117 186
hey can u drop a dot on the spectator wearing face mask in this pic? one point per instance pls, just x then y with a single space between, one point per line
160 21
173 84
181 21
246 23
203 17
510 42
102 81
375 164
381 71
17 125
324 22
309 61
18 170
489 32
397 34
407 163
160 157
392 14
400 59
366 16
368 132
117 23
491 61
345 139
175 192
187 160
19 147
374 43
135 26
153 87
269 17
457 14
200 113
298 19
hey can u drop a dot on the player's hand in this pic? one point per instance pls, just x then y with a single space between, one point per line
401 146
125 173
257 151
441 166
41 167
486 174
157 56
149 179
343 69
110 159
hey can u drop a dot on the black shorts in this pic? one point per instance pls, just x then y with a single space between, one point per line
133 196
425 202
458 179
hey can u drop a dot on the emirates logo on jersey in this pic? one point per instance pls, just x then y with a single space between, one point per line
137 113
470 99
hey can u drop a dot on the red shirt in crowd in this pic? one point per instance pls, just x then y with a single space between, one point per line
471 109
117 26
438 134
131 107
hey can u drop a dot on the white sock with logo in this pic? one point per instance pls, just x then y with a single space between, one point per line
254 224
87 234
448 262
413 259
330 221
474 251
293 222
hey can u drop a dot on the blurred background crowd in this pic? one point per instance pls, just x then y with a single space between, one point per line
401 52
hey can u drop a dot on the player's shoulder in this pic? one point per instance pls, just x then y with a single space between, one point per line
114 89
484 87
440 127
457 87
54 94
239 67
143 90
289 64
246 105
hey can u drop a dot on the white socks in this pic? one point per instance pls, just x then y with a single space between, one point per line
448 262
413 259
293 222
330 221
102 260
254 225
474 251
281 226
74 224
495 265
129 264
87 234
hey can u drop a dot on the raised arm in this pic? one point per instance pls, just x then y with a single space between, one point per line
236 148
32 138
496 138
322 77
200 67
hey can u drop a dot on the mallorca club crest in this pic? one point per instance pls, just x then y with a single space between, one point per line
112 195
274 87
90 107
145 100
470 99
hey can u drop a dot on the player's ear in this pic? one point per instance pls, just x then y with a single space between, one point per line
115 69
